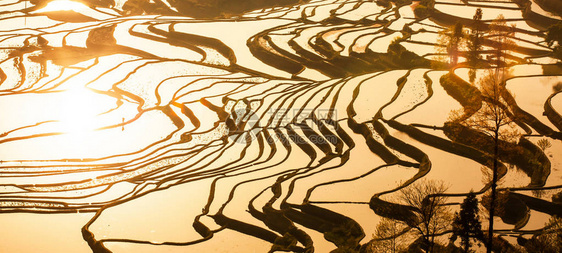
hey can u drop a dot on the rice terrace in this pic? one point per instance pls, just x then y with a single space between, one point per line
280 126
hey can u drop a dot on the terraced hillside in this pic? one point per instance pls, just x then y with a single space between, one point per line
231 126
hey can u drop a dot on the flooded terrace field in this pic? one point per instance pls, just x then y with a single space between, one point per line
299 126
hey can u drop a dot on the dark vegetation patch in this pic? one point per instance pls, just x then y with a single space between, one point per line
557 198
510 208
446 145
465 93
524 155
552 70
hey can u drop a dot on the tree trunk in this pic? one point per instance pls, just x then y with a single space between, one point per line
493 195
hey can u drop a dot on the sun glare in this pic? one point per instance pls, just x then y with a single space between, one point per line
63 5
80 111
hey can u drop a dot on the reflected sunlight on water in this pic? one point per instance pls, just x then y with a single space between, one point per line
63 5
81 110
291 128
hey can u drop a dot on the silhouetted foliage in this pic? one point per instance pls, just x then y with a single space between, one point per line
554 39
450 42
549 240
386 236
474 45
432 216
423 9
454 45
468 95
466 223
557 198
494 118
405 58
509 207
544 144
402 2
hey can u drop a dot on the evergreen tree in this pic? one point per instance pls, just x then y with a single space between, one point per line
494 118
451 42
475 45
466 223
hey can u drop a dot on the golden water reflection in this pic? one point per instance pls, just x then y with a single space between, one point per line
63 5
162 124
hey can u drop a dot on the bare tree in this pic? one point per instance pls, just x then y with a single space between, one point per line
494 117
433 217
386 237
496 110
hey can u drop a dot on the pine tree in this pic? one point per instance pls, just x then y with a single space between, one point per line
466 223
451 42
475 45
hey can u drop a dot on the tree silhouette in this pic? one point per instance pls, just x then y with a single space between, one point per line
453 40
432 215
549 240
474 45
466 223
495 112
494 117
386 236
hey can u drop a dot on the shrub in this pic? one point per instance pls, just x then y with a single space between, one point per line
421 12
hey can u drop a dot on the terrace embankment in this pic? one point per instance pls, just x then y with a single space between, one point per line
525 155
